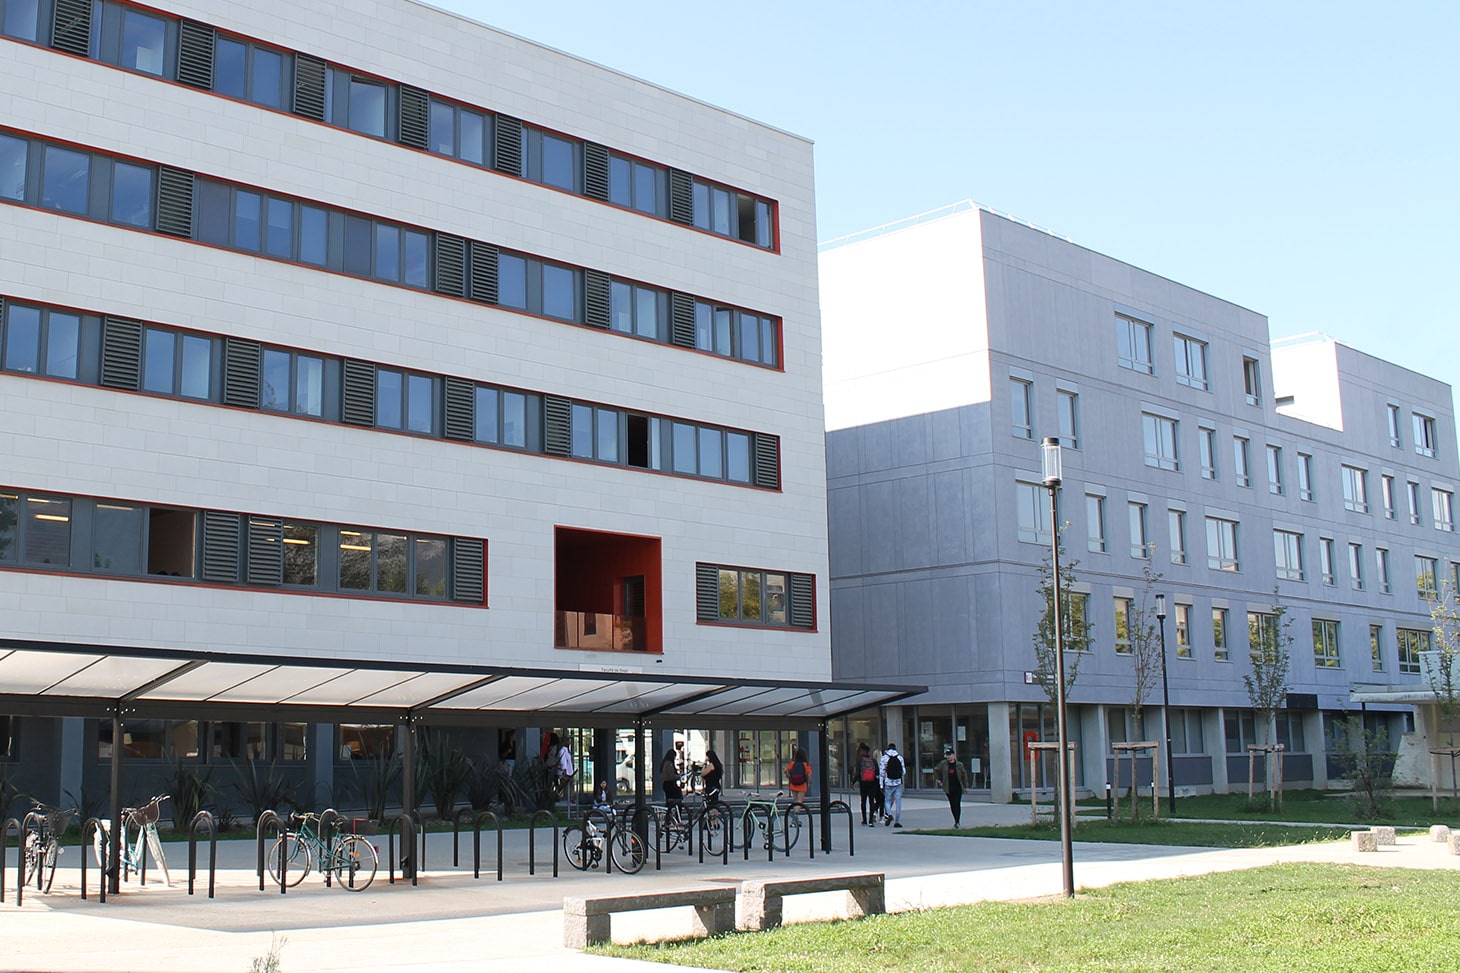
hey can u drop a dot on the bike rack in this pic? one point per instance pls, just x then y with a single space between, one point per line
725 826
88 827
203 819
532 841
476 843
810 826
329 827
265 819
406 824
25 826
835 806
19 857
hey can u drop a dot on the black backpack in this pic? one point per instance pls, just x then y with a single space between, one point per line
894 767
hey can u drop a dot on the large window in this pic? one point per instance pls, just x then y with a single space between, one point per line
1020 408
1206 440
1325 643
1140 537
1443 502
637 185
1356 489
1033 509
1262 633
1376 646
1124 619
292 382
1252 380
1133 344
1240 469
1424 435
35 530
40 341
732 333
1325 561
1191 362
1222 544
754 596
20 19
405 401
177 364
251 72
1067 405
1275 469
1425 569
1356 566
1095 522
722 210
1183 630
389 563
1305 476
1159 434
1381 564
1288 554
1176 528
1411 642
1220 650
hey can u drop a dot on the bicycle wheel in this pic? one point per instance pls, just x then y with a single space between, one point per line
756 819
32 859
791 829
99 839
713 826
48 864
299 864
133 846
628 851
353 862
154 845
672 827
576 847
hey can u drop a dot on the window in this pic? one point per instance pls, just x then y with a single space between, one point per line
1191 362
1222 544
116 538
1067 404
65 180
1140 539
1023 422
35 530
1206 440
1424 435
1444 505
595 435
1160 440
292 383
1325 643
637 185
366 106
1376 646
1356 566
637 310
1305 476
1381 559
1239 461
301 555
143 42
1414 504
1356 489
1411 643
1386 488
501 418
389 563
1288 553
177 364
1183 631
1219 634
40 341
1394 438
750 596
20 19
1124 617
1095 522
405 401
14 159
1033 502
458 132
1176 524
1262 633
251 72
1325 560
1252 380
1425 569
1133 344
131 195
1275 469
729 213
733 333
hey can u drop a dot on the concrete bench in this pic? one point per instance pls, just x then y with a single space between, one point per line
760 901
590 921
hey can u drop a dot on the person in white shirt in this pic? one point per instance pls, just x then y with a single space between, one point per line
890 772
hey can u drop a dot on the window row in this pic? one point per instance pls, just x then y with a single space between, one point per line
121 538
1134 349
131 355
1423 427
281 80
754 596
1356 498
1022 411
177 202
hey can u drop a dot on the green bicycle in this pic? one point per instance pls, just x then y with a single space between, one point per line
347 860
778 827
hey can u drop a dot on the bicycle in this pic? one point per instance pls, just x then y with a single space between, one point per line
139 836
778 828
348 859
585 844
44 826
677 823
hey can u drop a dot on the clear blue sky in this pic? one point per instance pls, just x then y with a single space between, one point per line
1298 158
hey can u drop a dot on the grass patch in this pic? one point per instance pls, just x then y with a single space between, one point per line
1295 918
1197 834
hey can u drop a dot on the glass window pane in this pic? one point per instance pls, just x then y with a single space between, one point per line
157 361
9 511
359 246
22 338
646 315
750 596
768 344
486 419
720 211
132 195
710 452
387 252
417 259
684 448
313 235
301 554
557 162
749 337
646 188
13 155
418 404
274 390
722 331
280 239
443 129
116 539
367 107
21 17
309 386
582 431
47 531
431 567
62 335
390 564
246 207
514 419
559 293
620 188
473 137
65 178
763 224
608 435
729 593
737 450
143 38
229 67
266 86
197 366
621 307
701 205
512 281
704 326
355 550
388 387
775 598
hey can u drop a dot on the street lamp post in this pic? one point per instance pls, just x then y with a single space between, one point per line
1053 474
1166 708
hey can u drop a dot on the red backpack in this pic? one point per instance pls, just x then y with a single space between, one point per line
799 774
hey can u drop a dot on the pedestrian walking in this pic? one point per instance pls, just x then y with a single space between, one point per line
714 776
890 773
798 776
866 772
951 776
669 778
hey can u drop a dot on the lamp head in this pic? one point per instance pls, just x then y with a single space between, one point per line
1053 461
1161 607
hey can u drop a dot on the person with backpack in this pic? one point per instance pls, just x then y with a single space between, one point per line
669 779
798 776
951 776
890 774
865 770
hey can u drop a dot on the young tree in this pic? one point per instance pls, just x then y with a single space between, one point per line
1444 679
1269 643
1144 636
1365 761
1077 629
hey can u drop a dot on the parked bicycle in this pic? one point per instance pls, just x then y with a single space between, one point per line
585 844
677 823
778 827
44 827
139 836
349 860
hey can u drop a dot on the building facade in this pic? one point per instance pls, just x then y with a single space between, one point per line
1297 490
410 341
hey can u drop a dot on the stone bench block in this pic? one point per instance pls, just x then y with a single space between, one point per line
589 922
1386 835
761 901
1440 832
1365 840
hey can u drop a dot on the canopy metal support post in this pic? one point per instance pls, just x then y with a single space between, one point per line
641 800
113 876
408 785
823 781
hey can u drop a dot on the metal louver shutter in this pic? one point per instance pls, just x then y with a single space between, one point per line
597 304
707 592
595 171
767 461
414 109
460 409
557 425
265 550
195 55
682 319
242 372
220 546
450 264
507 142
468 570
681 196
359 393
121 353
309 82
175 201
483 281
71 27
803 600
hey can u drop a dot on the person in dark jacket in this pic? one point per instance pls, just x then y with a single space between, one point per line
865 771
714 775
951 776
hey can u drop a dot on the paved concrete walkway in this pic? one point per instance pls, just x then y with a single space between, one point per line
452 922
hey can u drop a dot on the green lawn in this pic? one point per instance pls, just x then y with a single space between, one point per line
1293 918
1194 833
